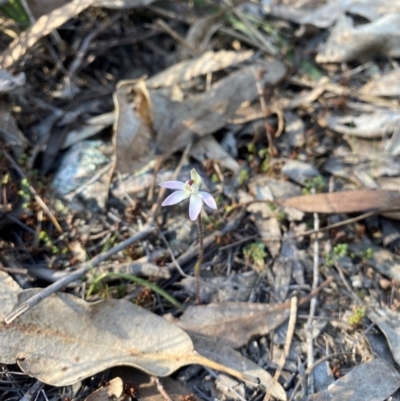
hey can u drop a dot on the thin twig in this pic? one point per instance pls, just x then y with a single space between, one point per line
156 381
171 253
200 259
33 192
311 368
272 148
82 269
33 392
286 349
313 307
161 24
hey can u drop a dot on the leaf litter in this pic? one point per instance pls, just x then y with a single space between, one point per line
143 92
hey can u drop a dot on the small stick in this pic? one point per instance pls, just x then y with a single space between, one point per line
200 259
313 306
82 269
286 349
33 191
160 388
272 148
202 360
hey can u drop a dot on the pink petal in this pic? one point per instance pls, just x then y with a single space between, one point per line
172 184
195 207
175 198
208 199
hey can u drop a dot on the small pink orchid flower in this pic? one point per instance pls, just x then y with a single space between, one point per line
189 189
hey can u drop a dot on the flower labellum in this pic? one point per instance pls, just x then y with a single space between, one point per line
189 189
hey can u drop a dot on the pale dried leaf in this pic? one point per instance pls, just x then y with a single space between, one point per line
9 82
373 9
370 381
177 123
133 138
383 261
233 322
384 84
189 69
389 323
321 15
219 352
344 202
299 171
208 148
8 293
9 131
111 391
347 43
374 125
65 339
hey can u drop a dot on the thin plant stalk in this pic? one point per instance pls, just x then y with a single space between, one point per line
200 259
137 280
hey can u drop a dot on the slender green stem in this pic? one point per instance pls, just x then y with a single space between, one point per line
200 259
140 281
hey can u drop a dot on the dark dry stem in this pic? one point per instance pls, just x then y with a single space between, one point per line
200 259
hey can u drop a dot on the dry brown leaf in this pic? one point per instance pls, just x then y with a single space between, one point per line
344 202
321 15
111 391
189 69
133 136
177 123
65 339
347 43
221 353
374 125
384 84
208 148
8 293
371 381
233 322
382 260
389 323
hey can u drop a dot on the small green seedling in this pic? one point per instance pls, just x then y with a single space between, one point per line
357 316
257 253
317 184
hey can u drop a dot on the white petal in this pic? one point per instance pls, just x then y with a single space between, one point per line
172 184
195 207
175 198
208 199
194 175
